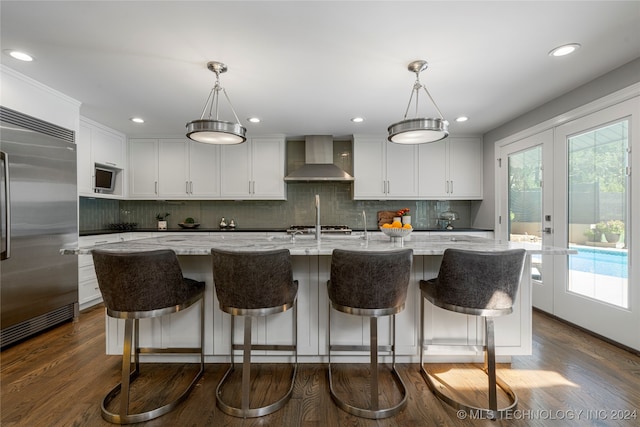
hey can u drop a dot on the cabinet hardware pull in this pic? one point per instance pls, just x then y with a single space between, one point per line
451 187
156 187
388 187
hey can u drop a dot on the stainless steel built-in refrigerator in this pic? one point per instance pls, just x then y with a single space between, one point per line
39 287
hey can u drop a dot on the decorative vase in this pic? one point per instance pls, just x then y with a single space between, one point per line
406 219
397 218
162 225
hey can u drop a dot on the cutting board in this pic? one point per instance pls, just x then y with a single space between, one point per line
386 217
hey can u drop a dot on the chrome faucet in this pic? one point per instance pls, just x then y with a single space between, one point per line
318 217
293 235
364 219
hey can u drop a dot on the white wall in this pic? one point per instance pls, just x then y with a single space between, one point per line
609 83
30 97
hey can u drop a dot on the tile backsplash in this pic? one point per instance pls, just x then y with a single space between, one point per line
336 208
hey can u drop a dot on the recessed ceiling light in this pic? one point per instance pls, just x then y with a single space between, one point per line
20 56
254 119
462 119
357 119
137 119
565 49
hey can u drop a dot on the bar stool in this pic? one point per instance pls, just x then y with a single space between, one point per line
254 284
479 284
371 284
138 285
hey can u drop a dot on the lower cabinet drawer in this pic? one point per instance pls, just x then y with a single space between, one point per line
88 289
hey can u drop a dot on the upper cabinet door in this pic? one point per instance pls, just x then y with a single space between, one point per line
451 169
107 148
204 170
85 163
173 168
143 170
268 168
369 168
465 168
253 170
384 170
433 161
402 171
235 167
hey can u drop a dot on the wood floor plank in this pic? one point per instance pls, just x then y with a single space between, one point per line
60 377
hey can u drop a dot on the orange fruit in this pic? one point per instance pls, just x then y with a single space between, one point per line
396 224
386 225
407 226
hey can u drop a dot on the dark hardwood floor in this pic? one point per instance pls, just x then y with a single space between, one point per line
572 379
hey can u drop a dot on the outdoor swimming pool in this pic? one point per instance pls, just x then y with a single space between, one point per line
600 261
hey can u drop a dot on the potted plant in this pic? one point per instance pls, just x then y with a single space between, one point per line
593 235
189 223
611 229
162 220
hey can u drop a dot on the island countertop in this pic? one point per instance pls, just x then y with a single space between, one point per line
307 245
449 336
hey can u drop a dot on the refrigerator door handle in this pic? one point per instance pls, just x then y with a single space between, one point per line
6 226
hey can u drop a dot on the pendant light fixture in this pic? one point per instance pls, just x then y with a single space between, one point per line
418 130
212 130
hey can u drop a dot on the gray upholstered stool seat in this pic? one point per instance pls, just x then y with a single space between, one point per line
480 284
254 284
137 285
371 284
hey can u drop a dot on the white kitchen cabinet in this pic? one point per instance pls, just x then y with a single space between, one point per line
451 169
88 290
143 168
174 169
384 170
254 170
85 165
98 144
204 170
188 169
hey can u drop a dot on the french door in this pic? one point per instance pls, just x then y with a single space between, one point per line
571 186
594 199
526 206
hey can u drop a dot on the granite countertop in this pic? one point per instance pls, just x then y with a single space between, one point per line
306 245
246 230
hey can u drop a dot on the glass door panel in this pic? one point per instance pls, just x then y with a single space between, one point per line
525 202
597 213
525 206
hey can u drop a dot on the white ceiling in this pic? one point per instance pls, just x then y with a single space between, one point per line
307 67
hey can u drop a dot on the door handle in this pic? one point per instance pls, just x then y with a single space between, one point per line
6 250
547 230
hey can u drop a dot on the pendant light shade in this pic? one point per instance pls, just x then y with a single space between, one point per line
211 130
418 130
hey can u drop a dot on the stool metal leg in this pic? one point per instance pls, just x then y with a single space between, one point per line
489 368
374 412
245 411
131 342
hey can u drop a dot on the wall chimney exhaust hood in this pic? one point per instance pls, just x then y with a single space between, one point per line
319 162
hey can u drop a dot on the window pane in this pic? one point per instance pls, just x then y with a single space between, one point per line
598 214
525 202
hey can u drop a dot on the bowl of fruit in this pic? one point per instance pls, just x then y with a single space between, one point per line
396 229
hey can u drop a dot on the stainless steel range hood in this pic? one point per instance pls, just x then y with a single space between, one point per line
318 162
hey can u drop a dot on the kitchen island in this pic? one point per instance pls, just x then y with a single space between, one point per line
449 336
